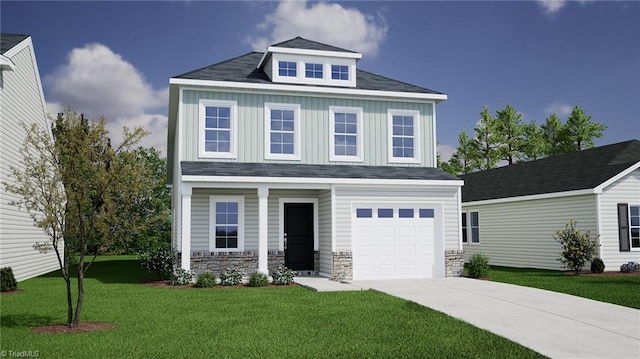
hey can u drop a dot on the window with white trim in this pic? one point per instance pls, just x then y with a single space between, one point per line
470 227
345 141
634 226
313 71
403 127
339 72
226 224
217 129
283 131
287 69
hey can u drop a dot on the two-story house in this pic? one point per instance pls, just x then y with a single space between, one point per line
21 102
295 157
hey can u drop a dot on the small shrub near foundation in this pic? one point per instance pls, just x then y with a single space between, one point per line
8 280
206 280
258 279
231 276
283 276
479 266
597 265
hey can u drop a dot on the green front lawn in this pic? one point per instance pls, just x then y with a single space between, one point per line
272 322
622 289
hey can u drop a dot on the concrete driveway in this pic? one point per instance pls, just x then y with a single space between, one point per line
553 324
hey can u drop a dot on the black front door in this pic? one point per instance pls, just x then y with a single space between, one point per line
298 234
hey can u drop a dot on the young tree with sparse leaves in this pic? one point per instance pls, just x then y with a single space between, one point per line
69 188
488 139
464 159
510 133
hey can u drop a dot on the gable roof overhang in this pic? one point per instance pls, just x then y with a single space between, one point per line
6 63
294 51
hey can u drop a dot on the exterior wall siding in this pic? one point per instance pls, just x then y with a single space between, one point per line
346 195
625 190
21 99
520 234
314 127
324 231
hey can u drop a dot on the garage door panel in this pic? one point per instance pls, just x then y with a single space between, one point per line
388 248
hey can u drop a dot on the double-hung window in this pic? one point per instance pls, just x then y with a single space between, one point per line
470 227
629 226
403 127
313 71
226 224
345 139
339 72
283 131
218 129
287 69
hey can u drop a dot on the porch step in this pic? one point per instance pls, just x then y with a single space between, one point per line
305 273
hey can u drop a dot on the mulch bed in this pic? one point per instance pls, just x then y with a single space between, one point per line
83 327
167 284
9 292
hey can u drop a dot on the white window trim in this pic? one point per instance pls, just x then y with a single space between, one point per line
268 106
301 78
212 222
233 148
359 135
631 247
416 136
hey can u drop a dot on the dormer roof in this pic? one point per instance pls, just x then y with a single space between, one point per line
301 46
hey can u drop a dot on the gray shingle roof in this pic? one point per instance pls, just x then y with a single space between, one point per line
243 69
8 41
284 170
586 169
300 43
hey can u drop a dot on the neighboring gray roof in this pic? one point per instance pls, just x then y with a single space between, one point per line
8 41
243 69
300 43
312 171
585 169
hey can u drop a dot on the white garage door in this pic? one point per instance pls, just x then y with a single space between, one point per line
392 242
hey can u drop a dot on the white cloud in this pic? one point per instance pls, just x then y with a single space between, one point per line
552 7
560 109
98 82
333 24
445 151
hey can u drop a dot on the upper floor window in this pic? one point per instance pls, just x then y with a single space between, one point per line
313 71
339 72
403 136
226 222
283 131
345 134
218 123
287 68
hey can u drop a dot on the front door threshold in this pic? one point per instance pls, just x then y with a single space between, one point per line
305 273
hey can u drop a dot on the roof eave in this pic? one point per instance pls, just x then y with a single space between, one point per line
309 89
316 180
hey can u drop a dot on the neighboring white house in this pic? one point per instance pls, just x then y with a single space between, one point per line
21 100
296 157
511 213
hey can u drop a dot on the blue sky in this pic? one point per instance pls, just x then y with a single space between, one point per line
116 58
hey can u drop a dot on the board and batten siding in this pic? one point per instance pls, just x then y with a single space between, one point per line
21 99
346 196
314 125
520 234
324 231
625 190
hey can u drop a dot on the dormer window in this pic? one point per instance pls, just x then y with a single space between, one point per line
313 71
339 72
287 69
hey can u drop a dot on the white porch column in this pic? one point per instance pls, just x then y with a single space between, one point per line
185 235
263 230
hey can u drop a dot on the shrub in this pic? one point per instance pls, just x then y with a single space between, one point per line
630 267
578 248
181 277
206 280
258 279
597 265
159 261
283 276
231 276
478 266
8 281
